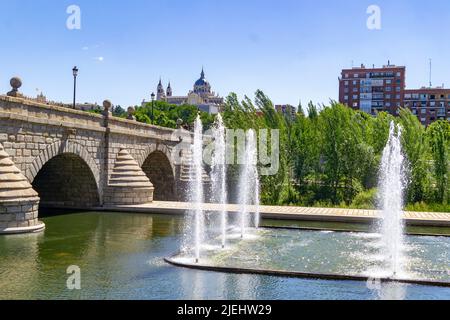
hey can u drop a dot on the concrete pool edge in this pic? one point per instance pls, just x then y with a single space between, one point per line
301 275
23 230
340 230
423 219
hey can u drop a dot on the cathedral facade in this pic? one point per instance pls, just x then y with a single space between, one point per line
201 96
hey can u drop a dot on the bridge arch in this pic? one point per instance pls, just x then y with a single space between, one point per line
65 175
157 165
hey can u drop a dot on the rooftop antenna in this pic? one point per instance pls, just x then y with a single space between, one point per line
352 63
430 73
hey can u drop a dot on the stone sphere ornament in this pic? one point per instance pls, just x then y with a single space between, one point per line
107 105
131 114
15 83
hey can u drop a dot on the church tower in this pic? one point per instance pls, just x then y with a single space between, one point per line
160 93
169 90
202 86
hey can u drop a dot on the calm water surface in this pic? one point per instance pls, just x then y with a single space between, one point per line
121 257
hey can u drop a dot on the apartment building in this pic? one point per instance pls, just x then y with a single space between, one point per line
287 110
429 104
373 89
384 89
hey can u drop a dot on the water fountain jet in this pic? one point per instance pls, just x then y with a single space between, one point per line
249 181
219 174
392 185
196 187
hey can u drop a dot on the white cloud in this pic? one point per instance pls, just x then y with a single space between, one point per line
85 48
99 59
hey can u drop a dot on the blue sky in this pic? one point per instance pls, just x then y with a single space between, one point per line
291 49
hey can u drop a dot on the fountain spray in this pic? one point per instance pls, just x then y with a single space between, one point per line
219 173
196 186
249 182
392 184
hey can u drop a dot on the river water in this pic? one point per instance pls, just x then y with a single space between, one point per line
120 256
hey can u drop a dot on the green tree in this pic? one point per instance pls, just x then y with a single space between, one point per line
415 147
439 138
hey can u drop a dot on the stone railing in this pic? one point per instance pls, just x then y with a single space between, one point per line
16 106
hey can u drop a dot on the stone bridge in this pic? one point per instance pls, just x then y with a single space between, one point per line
52 156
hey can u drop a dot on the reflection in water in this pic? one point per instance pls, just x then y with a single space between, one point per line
18 264
392 291
245 282
121 257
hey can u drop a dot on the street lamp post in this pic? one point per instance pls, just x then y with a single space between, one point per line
75 74
153 105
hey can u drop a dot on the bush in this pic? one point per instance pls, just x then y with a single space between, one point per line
428 207
365 199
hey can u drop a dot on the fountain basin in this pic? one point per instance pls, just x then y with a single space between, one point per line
325 255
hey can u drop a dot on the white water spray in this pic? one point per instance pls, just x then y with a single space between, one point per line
249 183
219 174
391 189
196 187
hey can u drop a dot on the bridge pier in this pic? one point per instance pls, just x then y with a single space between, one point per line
19 203
128 184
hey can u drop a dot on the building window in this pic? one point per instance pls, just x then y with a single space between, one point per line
388 104
355 97
355 89
346 98
397 97
388 81
346 75
388 96
388 89
356 75
346 83
397 89
355 104
354 82
423 111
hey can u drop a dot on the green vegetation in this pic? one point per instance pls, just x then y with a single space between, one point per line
330 157
166 115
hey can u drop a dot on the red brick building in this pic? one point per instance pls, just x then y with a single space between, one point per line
429 104
384 89
287 110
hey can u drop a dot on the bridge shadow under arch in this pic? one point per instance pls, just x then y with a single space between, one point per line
159 170
66 181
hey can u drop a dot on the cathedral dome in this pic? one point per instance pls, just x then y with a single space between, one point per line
202 81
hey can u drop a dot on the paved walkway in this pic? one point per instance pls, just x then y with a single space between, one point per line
295 213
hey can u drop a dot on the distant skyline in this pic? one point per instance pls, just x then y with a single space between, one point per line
292 50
